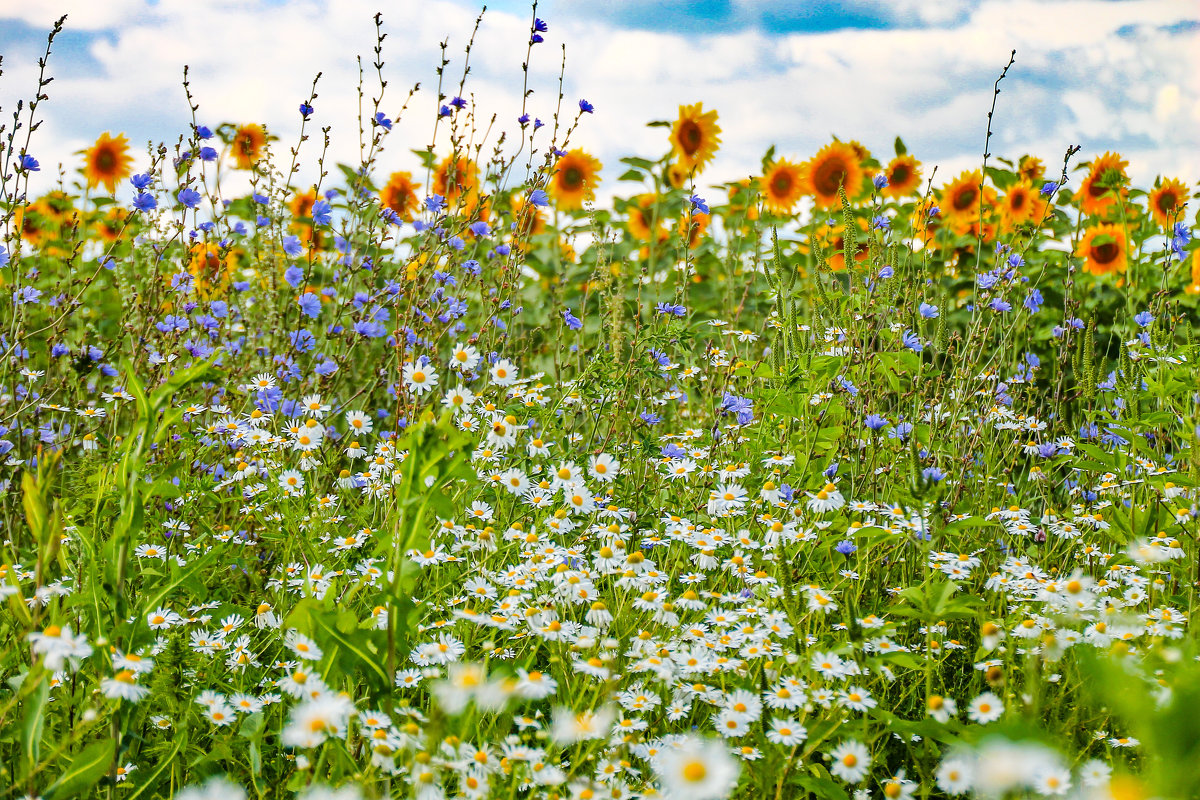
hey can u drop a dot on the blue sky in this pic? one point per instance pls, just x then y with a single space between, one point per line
1109 75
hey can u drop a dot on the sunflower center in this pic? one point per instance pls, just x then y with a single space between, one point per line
829 177
1106 253
781 184
900 174
1018 201
1167 203
964 198
106 161
690 137
572 178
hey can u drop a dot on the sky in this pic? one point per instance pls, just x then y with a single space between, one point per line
1121 75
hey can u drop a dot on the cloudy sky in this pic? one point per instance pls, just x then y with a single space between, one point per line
1118 75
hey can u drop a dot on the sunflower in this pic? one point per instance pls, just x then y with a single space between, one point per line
677 175
1104 247
400 195
107 161
960 202
835 165
1193 286
1022 203
1031 169
641 213
574 180
695 137
1095 195
527 217
833 242
1167 201
212 272
111 224
457 180
924 225
248 143
783 186
692 225
301 206
903 175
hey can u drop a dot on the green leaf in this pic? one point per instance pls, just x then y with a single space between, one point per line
85 771
35 715
901 150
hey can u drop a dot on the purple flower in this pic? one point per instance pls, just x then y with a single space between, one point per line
875 422
573 322
845 547
309 304
586 107
292 246
880 181
306 110
382 120
929 311
933 474
189 197
322 213
699 204
29 164
141 181
539 198
144 202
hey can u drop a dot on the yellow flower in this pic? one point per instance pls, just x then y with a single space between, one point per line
248 143
107 162
574 180
695 137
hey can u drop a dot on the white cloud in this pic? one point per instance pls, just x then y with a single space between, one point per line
1076 80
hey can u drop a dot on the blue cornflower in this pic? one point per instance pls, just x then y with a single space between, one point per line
303 340
204 132
845 547
539 198
586 107
540 26
322 213
1049 188
933 474
523 120
381 119
880 181
699 204
875 422
742 407
458 103
444 111
650 418
29 164
456 242
310 305
1000 305
306 110
143 201
435 203
912 342
1144 319
1034 301
292 246
881 223
480 228
26 294
208 153
929 311
141 181
293 275
671 308
847 386
572 321
189 197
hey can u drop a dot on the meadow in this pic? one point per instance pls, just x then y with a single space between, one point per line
849 480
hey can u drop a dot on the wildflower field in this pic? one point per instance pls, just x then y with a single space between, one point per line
851 479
